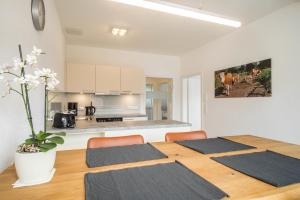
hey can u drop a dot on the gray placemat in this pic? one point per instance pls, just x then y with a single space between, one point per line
123 154
270 167
214 145
171 181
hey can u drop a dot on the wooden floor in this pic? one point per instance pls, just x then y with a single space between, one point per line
70 169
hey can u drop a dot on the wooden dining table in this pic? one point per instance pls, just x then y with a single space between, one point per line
68 181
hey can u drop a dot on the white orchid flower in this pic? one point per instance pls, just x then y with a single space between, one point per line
31 60
18 64
20 80
32 80
52 83
29 79
6 68
36 51
7 89
44 72
44 75
48 77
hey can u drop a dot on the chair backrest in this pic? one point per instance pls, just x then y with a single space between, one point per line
193 135
102 142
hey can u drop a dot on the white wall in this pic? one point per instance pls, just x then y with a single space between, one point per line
17 28
154 65
275 36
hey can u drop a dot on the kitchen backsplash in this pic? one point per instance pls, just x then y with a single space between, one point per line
118 104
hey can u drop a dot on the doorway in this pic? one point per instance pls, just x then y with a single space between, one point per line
192 101
159 93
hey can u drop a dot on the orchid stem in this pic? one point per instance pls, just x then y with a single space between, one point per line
25 97
11 74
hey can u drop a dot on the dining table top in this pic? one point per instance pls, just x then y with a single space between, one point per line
68 181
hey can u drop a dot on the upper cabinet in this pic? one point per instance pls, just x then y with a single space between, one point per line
81 78
132 80
103 79
108 79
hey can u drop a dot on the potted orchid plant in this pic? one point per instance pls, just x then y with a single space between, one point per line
35 157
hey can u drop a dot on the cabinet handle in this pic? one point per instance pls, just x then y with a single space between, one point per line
126 92
114 92
87 91
100 93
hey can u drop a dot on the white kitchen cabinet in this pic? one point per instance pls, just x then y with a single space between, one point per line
108 79
81 78
102 79
150 135
132 80
78 140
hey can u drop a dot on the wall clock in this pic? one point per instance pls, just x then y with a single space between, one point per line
38 14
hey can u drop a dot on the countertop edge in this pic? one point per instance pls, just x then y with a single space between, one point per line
80 131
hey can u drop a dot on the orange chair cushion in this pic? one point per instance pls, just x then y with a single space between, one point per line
102 142
193 135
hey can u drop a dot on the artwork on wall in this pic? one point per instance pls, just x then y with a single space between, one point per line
250 80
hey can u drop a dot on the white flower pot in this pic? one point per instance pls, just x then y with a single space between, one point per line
35 168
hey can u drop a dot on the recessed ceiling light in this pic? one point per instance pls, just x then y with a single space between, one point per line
119 32
180 10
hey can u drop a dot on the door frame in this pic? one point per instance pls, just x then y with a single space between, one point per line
202 96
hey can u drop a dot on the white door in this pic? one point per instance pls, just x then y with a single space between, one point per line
191 101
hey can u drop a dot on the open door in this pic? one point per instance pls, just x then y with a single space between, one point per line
159 92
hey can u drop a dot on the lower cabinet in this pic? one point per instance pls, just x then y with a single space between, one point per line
79 140
150 135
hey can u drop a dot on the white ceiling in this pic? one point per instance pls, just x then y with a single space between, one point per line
151 31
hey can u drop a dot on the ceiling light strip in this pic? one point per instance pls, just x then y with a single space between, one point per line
181 11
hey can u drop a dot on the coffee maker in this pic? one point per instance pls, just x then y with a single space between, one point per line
90 111
73 108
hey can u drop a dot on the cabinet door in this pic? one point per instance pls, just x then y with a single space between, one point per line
81 78
107 79
132 80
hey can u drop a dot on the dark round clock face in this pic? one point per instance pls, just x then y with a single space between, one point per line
38 14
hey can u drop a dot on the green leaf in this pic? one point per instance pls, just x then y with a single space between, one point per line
47 146
56 139
29 141
43 149
59 133
42 136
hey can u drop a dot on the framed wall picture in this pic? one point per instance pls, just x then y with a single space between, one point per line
249 80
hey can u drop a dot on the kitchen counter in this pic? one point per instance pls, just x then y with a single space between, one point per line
83 126
120 115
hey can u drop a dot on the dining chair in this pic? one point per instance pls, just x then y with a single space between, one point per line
192 135
103 142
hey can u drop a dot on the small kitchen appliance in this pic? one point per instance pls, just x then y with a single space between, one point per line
90 111
73 107
64 120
